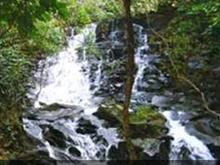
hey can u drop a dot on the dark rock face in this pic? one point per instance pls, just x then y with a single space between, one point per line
85 127
55 137
155 150
118 153
111 40
74 151
205 128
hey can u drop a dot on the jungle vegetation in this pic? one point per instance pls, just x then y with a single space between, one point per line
34 29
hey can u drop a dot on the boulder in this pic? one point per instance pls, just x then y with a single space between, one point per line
161 101
147 122
146 149
54 112
119 152
150 146
74 151
206 128
85 127
111 111
54 137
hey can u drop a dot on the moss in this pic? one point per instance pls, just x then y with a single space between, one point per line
147 122
145 114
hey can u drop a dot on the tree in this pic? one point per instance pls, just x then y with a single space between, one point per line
130 78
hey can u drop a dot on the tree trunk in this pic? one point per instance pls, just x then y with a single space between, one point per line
130 78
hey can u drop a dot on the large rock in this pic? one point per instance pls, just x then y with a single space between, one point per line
111 111
148 131
86 127
54 112
206 128
54 137
146 149
145 122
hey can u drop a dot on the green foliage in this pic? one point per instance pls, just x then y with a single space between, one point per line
195 28
83 17
22 14
14 74
47 39
193 42
140 7
85 12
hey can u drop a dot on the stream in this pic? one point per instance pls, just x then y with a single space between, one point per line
67 93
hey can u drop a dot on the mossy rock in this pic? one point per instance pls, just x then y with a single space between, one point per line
146 122
146 115
58 106
111 111
54 112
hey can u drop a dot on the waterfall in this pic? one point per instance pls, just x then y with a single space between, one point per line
65 80
198 150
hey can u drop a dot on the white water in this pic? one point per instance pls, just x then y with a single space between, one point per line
66 81
141 59
198 150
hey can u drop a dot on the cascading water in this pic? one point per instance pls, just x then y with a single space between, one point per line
197 149
65 79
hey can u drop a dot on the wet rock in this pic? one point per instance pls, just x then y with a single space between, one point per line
110 111
118 52
153 149
37 157
150 146
57 106
161 101
184 154
74 151
54 112
205 128
215 150
147 122
55 137
146 149
118 152
85 127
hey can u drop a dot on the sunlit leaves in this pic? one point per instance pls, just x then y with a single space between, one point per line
145 6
